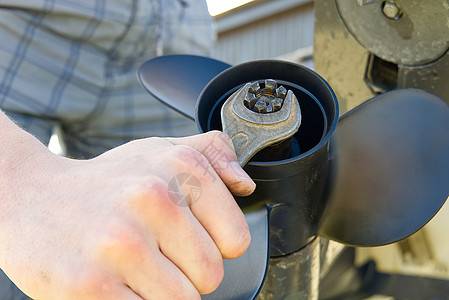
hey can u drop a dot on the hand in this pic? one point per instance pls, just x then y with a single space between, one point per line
116 227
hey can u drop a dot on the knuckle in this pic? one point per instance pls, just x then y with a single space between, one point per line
119 241
182 155
148 191
86 284
222 139
148 195
185 159
218 134
153 200
128 243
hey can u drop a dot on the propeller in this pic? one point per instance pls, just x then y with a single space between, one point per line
387 168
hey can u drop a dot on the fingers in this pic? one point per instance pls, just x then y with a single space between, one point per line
154 276
134 255
180 238
217 147
223 219
210 202
193 251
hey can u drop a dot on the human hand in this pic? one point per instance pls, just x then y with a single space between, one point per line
116 227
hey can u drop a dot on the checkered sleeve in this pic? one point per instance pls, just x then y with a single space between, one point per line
74 62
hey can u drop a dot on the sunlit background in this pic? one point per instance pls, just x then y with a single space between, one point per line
218 6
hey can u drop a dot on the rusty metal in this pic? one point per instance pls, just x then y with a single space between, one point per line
244 126
357 48
265 100
295 276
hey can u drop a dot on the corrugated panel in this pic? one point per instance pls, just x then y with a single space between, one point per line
267 38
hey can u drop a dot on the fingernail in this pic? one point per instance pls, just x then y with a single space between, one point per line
240 172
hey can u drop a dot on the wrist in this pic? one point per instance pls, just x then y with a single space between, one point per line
23 160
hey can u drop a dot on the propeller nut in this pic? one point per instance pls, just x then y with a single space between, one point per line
265 99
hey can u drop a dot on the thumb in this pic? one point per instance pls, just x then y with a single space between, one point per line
218 149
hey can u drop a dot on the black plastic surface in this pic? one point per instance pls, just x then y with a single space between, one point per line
244 276
389 168
177 80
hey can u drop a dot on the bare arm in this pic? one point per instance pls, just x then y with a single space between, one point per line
120 226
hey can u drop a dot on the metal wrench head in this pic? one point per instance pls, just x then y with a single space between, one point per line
252 131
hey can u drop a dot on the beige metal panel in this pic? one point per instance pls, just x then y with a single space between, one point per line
270 37
254 11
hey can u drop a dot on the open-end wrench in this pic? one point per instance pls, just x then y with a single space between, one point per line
255 117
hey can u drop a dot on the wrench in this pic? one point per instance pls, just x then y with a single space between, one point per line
255 117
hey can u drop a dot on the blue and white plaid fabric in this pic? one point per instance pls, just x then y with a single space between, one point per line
73 64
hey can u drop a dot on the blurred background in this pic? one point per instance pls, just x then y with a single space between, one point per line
260 29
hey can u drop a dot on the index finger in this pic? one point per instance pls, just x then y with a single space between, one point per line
217 147
217 210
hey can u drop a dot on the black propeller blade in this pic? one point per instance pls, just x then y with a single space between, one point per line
177 80
389 168
244 276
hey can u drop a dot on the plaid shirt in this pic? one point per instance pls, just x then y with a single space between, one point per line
73 63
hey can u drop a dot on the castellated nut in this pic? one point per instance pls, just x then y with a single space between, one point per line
265 99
